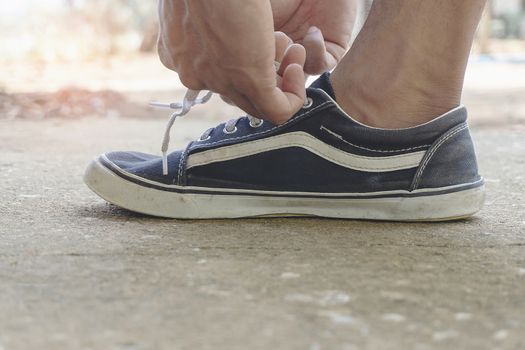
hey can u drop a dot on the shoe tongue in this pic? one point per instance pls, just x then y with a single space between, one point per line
323 83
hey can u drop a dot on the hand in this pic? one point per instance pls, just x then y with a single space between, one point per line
230 49
324 28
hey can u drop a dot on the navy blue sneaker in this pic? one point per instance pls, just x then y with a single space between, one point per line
319 163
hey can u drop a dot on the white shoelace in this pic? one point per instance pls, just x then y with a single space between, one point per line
182 108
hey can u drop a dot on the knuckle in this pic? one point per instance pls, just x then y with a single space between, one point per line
165 58
190 81
282 36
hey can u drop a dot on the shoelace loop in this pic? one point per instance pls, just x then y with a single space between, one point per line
181 108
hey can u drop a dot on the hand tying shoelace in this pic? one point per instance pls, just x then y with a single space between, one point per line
182 108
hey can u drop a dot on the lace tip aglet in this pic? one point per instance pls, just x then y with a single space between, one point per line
164 163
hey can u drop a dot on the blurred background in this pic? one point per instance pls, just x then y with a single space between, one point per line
96 58
76 77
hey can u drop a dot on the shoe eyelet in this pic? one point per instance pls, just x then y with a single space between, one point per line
257 125
229 132
205 139
308 103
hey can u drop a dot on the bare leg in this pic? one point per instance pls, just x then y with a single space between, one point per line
408 63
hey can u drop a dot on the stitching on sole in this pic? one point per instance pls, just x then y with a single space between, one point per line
163 187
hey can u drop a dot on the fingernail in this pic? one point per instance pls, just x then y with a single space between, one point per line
312 29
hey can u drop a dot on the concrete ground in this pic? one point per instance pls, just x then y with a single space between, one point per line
77 273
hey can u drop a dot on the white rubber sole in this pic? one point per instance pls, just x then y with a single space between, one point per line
169 204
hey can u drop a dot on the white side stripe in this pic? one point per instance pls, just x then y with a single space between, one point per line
310 143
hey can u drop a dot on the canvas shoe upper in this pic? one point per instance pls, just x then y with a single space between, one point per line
319 163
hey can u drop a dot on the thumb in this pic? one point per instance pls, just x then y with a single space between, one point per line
318 59
281 99
288 96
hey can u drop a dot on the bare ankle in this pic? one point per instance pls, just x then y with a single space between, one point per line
393 105
407 64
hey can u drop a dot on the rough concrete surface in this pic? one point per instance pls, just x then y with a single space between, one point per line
77 273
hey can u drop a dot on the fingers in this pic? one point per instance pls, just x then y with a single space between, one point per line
282 41
321 56
293 86
284 100
334 53
282 44
294 53
280 104
316 60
